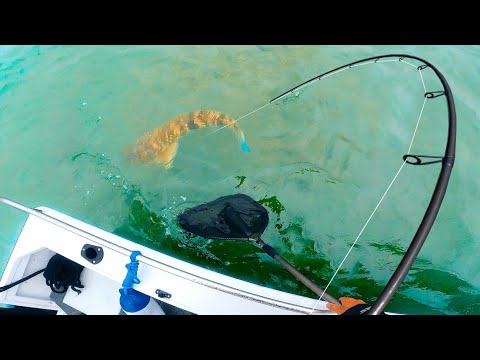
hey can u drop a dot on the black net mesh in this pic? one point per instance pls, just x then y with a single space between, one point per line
232 217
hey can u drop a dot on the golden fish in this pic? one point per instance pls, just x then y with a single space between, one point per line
160 145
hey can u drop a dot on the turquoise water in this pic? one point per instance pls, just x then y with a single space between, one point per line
321 159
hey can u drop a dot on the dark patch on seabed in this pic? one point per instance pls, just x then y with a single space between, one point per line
248 262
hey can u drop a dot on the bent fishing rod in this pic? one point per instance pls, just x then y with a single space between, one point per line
447 162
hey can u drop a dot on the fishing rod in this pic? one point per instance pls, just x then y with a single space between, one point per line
447 161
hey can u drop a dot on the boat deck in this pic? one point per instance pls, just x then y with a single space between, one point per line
181 287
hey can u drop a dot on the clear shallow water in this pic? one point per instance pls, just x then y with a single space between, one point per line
320 161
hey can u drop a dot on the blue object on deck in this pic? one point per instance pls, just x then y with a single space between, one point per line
132 300
131 277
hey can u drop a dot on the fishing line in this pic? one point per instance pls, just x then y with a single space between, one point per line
378 204
438 194
309 82
240 118
421 77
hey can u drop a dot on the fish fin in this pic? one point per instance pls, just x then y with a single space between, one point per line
166 156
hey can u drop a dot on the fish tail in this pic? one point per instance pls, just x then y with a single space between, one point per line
243 141
201 118
232 123
228 121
